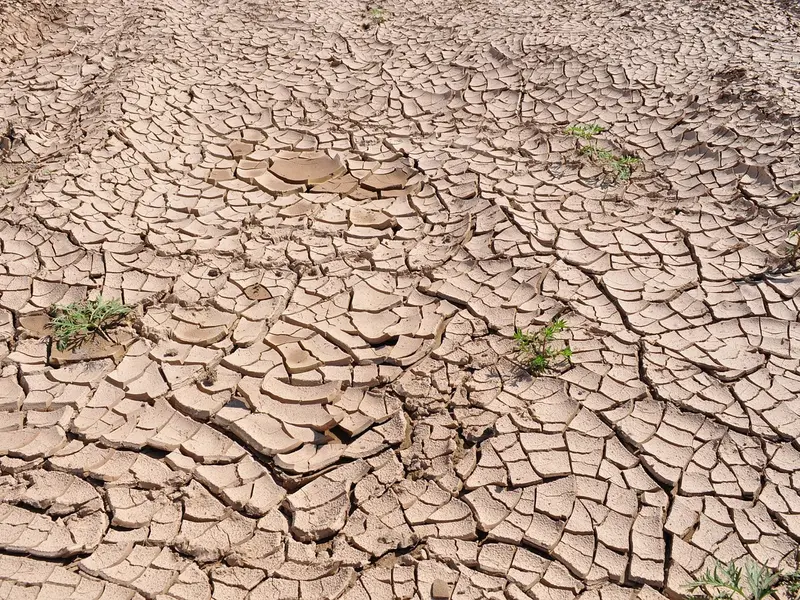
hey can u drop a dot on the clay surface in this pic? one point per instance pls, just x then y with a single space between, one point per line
330 220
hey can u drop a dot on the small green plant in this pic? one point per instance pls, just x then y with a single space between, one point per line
752 582
725 582
74 323
622 166
535 348
585 131
377 14
597 153
793 239
790 580
791 583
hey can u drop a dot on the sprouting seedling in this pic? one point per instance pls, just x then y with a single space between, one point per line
790 580
791 584
75 323
535 348
377 14
726 582
793 239
585 131
597 153
621 166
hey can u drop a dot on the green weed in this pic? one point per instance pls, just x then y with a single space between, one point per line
378 14
535 349
584 131
621 166
793 239
752 582
75 323
791 583
790 580
725 582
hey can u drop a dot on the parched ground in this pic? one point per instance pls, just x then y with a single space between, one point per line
330 221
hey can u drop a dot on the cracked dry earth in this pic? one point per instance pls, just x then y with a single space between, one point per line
330 227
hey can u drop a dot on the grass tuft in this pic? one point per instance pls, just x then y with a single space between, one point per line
535 349
75 323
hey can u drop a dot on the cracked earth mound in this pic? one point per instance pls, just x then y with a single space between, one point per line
330 221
